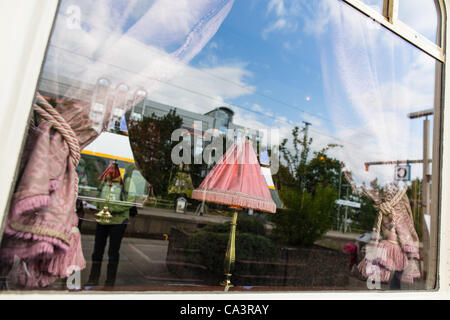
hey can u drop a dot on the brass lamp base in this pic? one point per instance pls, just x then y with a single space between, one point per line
104 216
230 254
227 283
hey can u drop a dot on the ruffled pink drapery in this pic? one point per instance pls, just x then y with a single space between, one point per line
399 249
237 180
41 240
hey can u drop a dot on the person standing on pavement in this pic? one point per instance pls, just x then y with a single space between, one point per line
115 230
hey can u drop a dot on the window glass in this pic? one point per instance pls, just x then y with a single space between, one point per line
421 15
375 4
224 145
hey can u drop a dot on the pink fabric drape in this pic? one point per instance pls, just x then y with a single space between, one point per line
399 248
41 228
41 241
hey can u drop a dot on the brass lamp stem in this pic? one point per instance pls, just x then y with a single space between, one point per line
230 254
108 195
104 216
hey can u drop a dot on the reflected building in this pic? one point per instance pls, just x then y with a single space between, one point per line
108 105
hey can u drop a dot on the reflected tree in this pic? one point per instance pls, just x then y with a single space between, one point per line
296 157
308 183
303 170
150 140
322 170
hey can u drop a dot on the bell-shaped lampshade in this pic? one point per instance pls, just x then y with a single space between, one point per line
236 180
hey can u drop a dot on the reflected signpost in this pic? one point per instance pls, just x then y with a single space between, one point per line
346 204
426 185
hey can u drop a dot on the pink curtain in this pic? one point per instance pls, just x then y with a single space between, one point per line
132 42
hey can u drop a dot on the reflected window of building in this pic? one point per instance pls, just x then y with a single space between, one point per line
138 104
120 100
101 100
223 118
119 107
101 91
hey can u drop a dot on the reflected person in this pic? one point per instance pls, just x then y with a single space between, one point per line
115 230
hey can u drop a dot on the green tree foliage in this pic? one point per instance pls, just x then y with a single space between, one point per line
151 143
415 196
308 185
322 170
306 218
284 178
197 172
245 224
303 170
252 251
367 214
296 159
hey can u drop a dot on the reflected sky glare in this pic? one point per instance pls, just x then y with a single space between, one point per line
274 63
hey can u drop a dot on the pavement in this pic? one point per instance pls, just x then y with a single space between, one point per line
142 267
191 216
142 264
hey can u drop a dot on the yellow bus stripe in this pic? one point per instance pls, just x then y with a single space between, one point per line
104 155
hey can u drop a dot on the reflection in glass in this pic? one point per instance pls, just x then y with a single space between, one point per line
375 4
138 104
421 15
322 92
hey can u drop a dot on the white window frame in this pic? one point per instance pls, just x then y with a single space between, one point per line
25 28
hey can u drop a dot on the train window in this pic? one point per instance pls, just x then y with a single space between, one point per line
230 146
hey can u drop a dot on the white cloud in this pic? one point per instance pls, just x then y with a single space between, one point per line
317 16
257 107
420 15
277 6
276 127
282 24
286 14
148 51
200 90
213 45
372 80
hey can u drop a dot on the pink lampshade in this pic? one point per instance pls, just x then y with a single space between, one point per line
236 180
